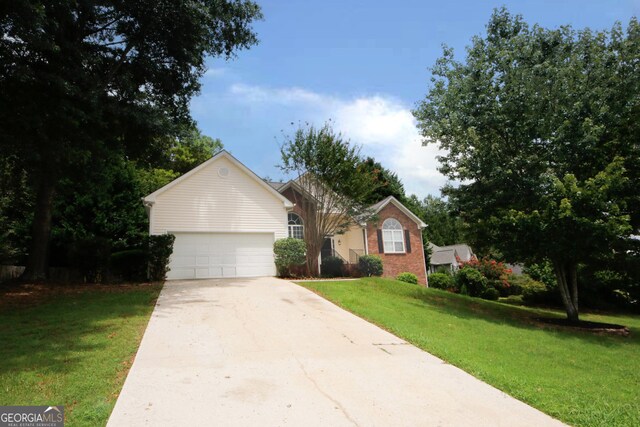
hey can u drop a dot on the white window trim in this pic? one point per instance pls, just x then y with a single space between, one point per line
292 227
394 237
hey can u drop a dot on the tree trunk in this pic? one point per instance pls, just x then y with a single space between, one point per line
38 260
567 276
312 263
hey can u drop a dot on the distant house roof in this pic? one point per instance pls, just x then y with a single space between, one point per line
462 250
444 257
515 268
276 185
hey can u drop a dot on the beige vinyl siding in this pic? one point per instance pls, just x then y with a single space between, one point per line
351 239
209 202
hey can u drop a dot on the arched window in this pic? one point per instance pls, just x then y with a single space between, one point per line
296 227
392 236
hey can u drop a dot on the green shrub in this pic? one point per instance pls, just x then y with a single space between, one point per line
440 281
534 292
444 270
90 257
289 252
519 282
470 282
332 266
542 272
129 265
370 265
496 273
491 294
160 249
407 277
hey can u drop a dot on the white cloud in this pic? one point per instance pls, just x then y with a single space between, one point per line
214 72
382 125
288 96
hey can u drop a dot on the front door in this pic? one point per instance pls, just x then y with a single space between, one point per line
327 248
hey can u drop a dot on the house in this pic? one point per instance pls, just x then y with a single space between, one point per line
449 257
226 219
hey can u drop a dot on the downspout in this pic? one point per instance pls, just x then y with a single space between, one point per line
148 207
366 239
426 276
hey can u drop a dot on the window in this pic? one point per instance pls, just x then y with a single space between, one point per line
296 228
392 236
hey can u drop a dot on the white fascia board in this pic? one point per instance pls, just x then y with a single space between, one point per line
403 208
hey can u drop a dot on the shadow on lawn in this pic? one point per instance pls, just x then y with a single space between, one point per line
64 329
520 317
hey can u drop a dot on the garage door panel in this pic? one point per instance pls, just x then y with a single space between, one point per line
182 273
183 261
202 249
214 272
210 255
202 273
229 271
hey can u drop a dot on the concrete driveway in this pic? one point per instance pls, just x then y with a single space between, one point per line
266 352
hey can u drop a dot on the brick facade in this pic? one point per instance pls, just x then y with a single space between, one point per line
294 197
394 264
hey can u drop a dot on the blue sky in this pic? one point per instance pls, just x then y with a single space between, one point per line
362 64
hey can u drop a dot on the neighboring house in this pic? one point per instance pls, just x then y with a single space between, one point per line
226 218
449 257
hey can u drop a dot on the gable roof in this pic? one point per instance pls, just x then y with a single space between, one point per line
382 203
447 256
277 185
462 250
150 199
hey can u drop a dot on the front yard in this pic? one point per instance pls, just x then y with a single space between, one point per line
578 377
71 345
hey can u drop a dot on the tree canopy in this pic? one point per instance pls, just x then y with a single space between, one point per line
445 227
92 79
387 182
541 127
332 184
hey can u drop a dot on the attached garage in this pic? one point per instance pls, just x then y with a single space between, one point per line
209 255
225 219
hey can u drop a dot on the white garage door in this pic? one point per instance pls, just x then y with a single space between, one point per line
207 255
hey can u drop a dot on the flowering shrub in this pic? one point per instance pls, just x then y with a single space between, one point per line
470 282
496 273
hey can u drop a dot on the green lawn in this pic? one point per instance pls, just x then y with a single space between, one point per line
579 377
72 346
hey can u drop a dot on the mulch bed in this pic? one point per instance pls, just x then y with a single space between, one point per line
25 294
587 326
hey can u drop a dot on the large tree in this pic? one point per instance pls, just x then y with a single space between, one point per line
80 79
444 225
542 127
387 182
332 185
101 202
